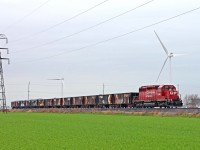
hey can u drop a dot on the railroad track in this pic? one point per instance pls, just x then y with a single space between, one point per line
150 109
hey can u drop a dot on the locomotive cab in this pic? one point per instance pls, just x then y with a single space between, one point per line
170 93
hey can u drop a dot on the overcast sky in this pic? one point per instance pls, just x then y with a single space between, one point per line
40 49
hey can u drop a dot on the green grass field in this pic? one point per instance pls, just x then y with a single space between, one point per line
39 131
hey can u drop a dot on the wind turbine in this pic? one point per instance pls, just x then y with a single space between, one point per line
169 56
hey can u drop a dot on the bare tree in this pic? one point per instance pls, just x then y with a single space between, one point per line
192 100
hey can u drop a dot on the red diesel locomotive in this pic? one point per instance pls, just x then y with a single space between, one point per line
158 96
148 96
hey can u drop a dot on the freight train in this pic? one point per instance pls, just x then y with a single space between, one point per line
148 96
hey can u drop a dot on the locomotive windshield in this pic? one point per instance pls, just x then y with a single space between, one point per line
169 88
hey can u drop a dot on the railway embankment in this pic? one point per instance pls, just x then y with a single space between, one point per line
190 112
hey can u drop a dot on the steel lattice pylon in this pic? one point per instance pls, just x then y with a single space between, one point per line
2 87
2 90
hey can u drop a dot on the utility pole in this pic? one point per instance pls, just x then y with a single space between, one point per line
103 88
178 91
2 87
28 90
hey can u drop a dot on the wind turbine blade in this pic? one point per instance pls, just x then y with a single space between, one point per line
162 68
162 44
178 55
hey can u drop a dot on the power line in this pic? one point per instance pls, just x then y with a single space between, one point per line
58 24
113 38
27 15
86 29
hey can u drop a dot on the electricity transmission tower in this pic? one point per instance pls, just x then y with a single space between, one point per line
2 87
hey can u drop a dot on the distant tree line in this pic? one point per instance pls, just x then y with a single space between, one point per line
192 100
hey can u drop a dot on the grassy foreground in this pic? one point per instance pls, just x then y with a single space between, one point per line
39 131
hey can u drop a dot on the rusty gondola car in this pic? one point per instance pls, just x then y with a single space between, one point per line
14 104
40 103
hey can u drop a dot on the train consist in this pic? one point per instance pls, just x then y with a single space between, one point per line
148 96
